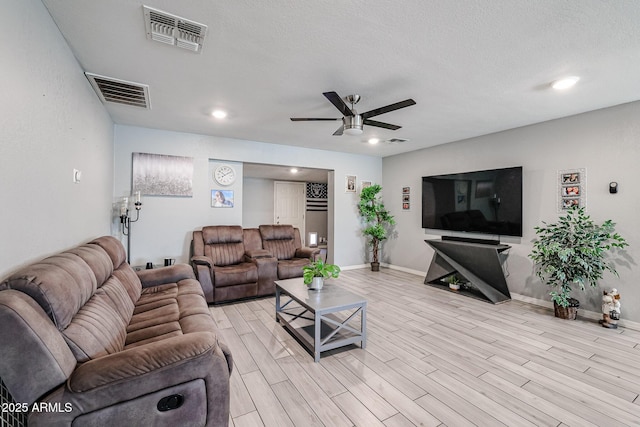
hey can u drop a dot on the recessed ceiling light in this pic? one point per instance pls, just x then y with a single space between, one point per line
373 141
219 114
565 83
293 170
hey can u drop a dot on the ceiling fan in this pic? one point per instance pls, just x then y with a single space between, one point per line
352 122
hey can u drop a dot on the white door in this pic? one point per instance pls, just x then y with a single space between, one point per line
290 202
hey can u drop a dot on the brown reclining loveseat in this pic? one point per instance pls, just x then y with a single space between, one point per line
233 263
95 343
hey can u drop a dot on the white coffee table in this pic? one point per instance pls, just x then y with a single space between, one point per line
310 315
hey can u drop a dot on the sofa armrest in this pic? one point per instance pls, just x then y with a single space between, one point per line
162 275
201 260
258 253
305 252
133 364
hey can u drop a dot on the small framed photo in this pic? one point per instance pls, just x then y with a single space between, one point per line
406 190
364 184
350 184
570 190
569 203
406 206
570 178
221 198
406 198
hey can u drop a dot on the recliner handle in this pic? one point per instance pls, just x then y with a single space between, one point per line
170 402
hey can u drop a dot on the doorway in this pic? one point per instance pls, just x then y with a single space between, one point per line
289 205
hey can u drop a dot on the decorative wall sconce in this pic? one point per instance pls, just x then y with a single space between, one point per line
126 220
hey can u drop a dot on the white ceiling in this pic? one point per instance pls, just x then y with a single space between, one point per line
473 67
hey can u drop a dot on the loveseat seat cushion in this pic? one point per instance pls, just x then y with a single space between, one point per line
290 268
279 240
245 272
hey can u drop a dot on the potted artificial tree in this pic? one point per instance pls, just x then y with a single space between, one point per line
377 219
313 274
572 253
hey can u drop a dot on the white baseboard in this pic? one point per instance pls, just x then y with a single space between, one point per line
354 267
535 301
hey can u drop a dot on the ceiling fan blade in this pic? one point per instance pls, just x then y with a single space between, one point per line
301 119
388 108
381 124
335 99
339 131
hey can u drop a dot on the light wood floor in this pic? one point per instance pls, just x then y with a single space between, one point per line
433 358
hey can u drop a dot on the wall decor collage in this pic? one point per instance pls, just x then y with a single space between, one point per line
572 189
406 198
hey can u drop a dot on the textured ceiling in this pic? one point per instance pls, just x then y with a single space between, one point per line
473 67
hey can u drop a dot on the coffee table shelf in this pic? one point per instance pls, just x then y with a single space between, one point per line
321 320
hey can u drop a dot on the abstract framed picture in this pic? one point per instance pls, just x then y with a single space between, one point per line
162 175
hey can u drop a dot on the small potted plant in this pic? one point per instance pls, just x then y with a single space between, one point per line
572 253
377 219
454 282
314 274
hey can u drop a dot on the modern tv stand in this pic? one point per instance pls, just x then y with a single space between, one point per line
479 263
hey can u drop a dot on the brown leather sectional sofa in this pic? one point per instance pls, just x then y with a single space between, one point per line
99 344
233 263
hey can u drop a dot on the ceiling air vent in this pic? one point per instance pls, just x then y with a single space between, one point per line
396 140
120 91
166 28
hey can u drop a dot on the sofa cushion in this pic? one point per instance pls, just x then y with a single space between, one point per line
245 272
223 244
60 284
100 326
291 268
168 310
279 240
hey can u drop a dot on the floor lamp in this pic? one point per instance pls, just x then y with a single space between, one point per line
126 220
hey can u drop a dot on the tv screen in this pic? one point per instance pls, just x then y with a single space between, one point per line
488 202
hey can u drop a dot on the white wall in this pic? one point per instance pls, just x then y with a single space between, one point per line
605 142
51 122
166 224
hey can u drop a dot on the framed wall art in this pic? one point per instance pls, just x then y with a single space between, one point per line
572 189
162 175
221 198
350 183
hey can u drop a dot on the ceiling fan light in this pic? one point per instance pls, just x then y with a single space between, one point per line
354 131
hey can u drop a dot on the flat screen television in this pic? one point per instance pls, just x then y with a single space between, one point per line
486 202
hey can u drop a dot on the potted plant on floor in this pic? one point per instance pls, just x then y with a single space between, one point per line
572 252
377 219
314 274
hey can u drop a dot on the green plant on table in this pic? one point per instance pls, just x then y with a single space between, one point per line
319 268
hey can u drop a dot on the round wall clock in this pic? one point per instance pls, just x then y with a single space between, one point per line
224 175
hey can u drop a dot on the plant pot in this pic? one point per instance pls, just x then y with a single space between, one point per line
375 266
454 286
317 283
570 312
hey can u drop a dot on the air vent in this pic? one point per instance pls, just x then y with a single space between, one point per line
166 28
396 140
120 91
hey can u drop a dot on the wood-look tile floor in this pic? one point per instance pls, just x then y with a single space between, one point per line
433 358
